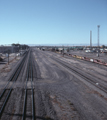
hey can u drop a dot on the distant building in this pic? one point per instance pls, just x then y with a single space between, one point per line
10 49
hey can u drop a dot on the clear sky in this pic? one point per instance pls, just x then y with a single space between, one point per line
52 21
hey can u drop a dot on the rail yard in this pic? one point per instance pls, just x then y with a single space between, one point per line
46 85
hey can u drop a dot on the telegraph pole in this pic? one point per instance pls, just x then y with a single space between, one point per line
8 57
63 51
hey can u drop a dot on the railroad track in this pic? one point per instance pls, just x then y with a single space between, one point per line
4 96
28 107
101 87
79 68
80 74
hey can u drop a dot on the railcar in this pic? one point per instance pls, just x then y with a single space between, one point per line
71 55
74 56
79 57
87 59
104 63
97 61
1 59
91 60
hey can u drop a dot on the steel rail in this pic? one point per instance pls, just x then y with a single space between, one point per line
80 69
83 76
25 99
29 76
33 109
7 97
101 87
11 78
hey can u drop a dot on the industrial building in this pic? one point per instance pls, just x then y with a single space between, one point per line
10 49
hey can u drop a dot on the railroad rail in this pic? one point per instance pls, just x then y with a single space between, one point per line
28 107
7 91
101 87
77 71
90 80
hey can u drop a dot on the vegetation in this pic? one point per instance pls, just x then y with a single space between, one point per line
21 47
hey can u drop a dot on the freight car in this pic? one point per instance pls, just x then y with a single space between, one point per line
1 59
79 57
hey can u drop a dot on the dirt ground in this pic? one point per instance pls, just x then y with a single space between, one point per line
59 94
6 69
63 95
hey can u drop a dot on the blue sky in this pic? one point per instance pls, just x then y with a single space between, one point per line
52 21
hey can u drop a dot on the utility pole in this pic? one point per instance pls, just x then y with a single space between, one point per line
63 51
98 35
90 39
98 39
8 57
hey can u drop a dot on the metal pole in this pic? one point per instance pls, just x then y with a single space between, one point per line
91 39
98 35
8 57
98 39
63 51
